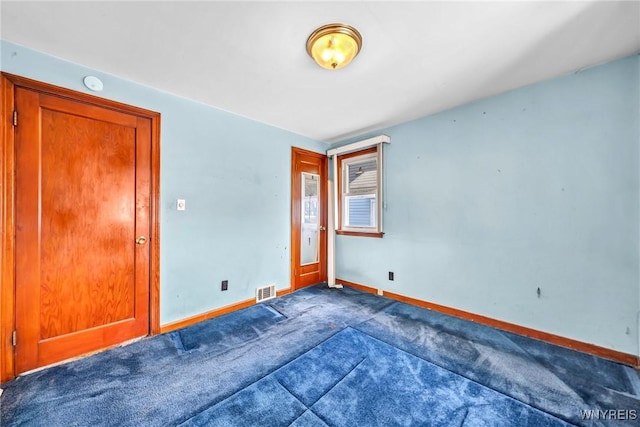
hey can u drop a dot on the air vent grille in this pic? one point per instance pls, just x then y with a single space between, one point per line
265 293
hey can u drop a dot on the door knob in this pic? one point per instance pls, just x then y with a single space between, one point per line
322 228
141 240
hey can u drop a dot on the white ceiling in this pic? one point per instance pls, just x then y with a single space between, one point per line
249 58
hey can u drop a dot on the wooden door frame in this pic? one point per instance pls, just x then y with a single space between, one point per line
8 83
295 226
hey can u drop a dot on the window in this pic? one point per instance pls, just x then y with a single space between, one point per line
359 198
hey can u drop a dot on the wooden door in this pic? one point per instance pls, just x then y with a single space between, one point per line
308 218
82 228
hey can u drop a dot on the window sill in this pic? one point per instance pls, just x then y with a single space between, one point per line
377 234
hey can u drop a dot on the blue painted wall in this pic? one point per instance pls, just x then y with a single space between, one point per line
234 174
537 187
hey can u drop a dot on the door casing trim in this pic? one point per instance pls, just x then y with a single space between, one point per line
8 83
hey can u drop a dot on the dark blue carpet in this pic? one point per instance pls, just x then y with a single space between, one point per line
326 357
353 379
555 379
214 337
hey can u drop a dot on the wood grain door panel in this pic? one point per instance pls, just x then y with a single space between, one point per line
82 197
303 161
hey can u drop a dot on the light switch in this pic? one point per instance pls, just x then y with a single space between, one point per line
181 205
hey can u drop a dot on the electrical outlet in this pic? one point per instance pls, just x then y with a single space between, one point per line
225 285
391 275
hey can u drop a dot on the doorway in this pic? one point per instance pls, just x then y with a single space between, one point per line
308 218
83 224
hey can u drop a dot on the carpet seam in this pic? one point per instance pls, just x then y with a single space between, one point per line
334 386
310 410
276 310
292 394
307 408
339 381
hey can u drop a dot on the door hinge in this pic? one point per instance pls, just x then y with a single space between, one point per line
15 118
14 339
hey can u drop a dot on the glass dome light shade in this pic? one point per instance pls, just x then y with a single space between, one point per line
333 46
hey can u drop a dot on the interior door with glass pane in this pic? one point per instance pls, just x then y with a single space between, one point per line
309 216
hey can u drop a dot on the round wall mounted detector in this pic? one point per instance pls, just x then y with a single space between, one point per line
93 83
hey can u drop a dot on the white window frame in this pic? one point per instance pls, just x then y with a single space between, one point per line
345 164
334 153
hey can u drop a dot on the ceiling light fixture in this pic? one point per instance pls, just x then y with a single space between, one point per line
333 46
